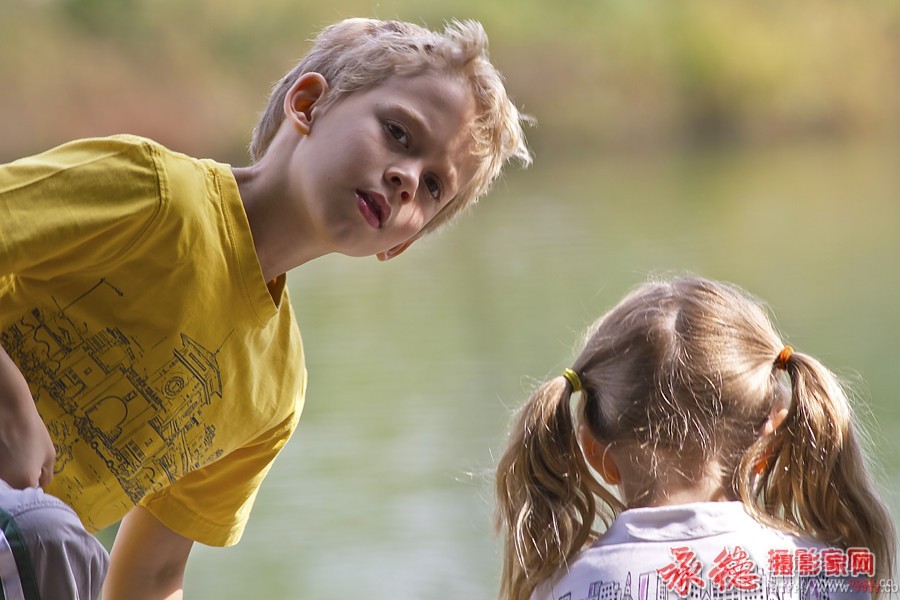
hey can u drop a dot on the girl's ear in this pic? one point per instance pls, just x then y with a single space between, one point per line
598 456
776 418
301 99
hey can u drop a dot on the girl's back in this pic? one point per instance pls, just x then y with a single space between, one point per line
706 550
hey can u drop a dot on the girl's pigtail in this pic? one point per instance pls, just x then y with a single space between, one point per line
812 470
546 502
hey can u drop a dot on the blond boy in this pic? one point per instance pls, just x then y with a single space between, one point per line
142 292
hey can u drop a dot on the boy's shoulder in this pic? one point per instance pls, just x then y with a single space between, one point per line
121 172
114 151
87 162
125 163
98 163
91 149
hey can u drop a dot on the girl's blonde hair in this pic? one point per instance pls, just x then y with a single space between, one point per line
358 54
683 375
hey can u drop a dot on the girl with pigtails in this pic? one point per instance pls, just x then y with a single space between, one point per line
731 462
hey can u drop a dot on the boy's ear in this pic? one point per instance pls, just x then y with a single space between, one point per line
395 251
301 98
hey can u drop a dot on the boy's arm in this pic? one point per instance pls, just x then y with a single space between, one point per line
26 450
147 560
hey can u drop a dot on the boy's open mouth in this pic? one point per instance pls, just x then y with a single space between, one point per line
374 208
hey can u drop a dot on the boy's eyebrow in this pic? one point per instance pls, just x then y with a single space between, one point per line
420 123
415 119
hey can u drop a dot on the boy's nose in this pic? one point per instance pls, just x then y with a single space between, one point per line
403 184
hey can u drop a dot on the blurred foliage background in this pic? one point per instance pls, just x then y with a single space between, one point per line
616 75
752 141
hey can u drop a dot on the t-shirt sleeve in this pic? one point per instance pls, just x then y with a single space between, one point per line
77 206
212 505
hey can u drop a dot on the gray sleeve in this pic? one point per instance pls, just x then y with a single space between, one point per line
65 560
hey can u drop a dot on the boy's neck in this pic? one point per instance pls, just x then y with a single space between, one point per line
278 248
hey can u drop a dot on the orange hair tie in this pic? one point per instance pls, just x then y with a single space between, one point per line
783 357
762 463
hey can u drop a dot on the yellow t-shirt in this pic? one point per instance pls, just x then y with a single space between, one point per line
132 300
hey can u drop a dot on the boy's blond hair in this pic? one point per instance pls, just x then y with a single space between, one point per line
358 54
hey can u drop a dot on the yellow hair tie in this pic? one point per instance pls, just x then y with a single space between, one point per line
573 378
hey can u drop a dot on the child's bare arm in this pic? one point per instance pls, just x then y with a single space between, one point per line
147 560
26 450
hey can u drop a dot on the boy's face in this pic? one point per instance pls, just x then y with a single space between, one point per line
377 165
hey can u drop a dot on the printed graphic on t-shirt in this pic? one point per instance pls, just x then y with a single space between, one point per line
802 573
102 400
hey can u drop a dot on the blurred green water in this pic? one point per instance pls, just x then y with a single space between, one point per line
415 365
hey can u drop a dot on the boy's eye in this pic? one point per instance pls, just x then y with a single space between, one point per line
434 187
398 133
